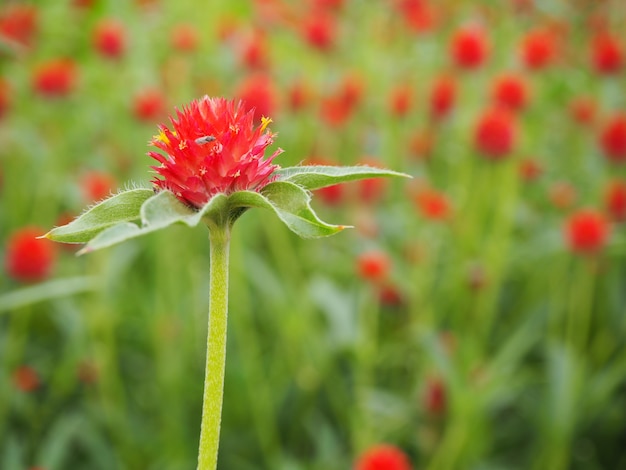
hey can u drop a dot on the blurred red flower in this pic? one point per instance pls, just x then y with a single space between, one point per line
538 49
149 105
421 144
18 23
607 55
530 169
400 100
371 190
109 38
586 231
328 4
319 29
583 110
383 457
442 96
299 95
55 78
96 185
432 204
257 92
373 265
418 14
613 138
562 195
510 91
28 258
469 47
26 379
495 134
434 396
212 148
254 51
185 38
5 93
615 200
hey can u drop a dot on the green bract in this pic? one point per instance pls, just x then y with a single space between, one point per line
137 212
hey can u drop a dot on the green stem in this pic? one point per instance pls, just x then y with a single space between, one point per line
216 349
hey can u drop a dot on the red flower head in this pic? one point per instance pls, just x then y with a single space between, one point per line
613 139
320 30
26 379
434 398
615 200
400 100
184 38
510 91
469 47
538 49
442 97
418 14
299 95
583 110
96 185
149 105
18 23
55 78
109 38
530 169
213 148
495 134
607 54
28 258
586 231
432 204
254 51
257 93
4 96
373 265
383 457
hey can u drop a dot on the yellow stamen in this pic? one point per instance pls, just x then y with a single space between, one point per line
182 145
162 137
265 121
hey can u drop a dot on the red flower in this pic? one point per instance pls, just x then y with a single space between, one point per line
109 38
607 55
586 231
400 100
26 379
530 169
615 200
96 185
299 95
583 110
537 49
383 457
28 258
149 105
469 47
213 148
184 38
510 91
257 92
495 134
419 16
442 97
613 139
18 23
55 78
5 92
434 398
562 195
254 51
320 30
432 204
373 265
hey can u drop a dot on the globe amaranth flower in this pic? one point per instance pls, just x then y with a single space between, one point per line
213 147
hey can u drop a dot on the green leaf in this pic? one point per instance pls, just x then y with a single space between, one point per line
291 204
123 207
317 176
55 288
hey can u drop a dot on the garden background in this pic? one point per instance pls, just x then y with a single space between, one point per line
472 319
